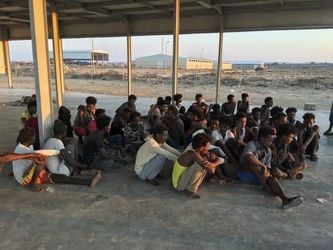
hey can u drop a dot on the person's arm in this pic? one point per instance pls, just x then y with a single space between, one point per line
314 132
10 156
252 159
204 163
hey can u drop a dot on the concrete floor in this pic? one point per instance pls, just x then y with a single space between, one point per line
125 213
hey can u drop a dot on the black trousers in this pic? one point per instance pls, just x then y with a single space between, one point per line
60 178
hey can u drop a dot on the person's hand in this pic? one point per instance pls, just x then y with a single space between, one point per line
39 159
209 167
212 157
62 154
303 149
316 128
264 171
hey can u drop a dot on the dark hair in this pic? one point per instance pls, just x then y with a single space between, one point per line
133 115
173 110
32 104
160 98
268 99
256 109
265 132
286 129
275 110
158 129
59 128
91 100
200 140
25 135
245 95
308 116
177 97
102 121
168 99
63 112
131 97
278 116
99 112
240 115
81 107
291 110
230 97
226 120
161 102
198 96
216 107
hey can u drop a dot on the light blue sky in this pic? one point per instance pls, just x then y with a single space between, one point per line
268 46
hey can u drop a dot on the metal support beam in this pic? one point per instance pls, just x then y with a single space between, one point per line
176 16
5 66
58 64
220 63
129 63
39 35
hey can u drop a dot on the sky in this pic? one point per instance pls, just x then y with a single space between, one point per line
295 46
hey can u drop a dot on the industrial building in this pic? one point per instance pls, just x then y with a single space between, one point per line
162 61
84 57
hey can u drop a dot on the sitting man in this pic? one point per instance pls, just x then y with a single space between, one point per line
28 172
265 110
283 159
256 162
7 157
96 154
134 133
191 167
243 105
309 136
129 105
153 154
228 108
64 163
177 138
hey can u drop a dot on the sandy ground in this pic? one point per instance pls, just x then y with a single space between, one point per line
288 87
125 213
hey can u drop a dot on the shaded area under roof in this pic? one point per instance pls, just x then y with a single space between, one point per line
96 18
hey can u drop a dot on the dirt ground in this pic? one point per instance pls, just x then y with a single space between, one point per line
289 87
122 212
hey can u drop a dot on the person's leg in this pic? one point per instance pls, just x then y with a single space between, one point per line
88 181
152 168
233 148
103 164
272 185
191 179
313 148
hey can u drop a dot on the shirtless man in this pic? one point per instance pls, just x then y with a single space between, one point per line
191 167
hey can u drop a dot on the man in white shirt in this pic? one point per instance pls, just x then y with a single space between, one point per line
65 162
153 154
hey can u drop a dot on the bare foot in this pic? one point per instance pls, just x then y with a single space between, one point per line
96 179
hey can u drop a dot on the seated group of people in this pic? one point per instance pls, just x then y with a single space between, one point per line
212 142
207 141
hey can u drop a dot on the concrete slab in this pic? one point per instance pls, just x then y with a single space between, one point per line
125 213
